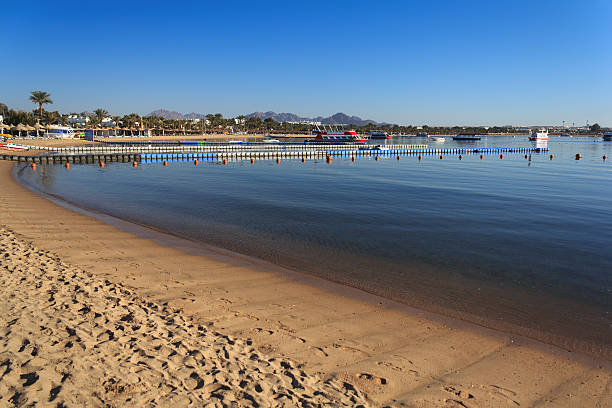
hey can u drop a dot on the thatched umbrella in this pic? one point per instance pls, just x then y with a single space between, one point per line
38 128
20 128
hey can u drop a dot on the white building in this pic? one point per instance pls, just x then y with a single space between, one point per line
78 120
108 122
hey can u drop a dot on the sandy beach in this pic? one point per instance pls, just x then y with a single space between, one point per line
100 312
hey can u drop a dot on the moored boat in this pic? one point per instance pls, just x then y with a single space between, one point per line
60 132
422 134
466 137
379 135
541 134
607 136
335 135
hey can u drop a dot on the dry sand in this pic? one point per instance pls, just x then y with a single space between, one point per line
330 338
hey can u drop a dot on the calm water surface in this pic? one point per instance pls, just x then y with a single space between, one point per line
504 243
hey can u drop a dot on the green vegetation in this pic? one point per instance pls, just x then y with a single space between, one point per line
40 98
100 114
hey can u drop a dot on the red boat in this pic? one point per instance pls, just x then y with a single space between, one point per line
335 135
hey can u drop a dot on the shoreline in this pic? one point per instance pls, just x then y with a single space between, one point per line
371 339
552 320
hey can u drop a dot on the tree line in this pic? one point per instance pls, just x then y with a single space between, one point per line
217 123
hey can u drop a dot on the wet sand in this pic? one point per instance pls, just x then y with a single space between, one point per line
391 353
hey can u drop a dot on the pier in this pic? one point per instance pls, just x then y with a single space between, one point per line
96 154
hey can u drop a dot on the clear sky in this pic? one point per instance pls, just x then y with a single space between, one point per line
408 62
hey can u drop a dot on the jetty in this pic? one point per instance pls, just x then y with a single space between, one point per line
239 151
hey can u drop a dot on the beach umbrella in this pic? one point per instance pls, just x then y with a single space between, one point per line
19 128
29 129
38 128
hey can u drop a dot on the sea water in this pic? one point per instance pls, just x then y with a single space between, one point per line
502 242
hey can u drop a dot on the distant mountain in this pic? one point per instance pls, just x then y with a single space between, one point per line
343 119
279 117
337 119
166 114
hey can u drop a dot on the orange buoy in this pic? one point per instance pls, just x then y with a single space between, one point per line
441 157
460 157
605 157
329 159
398 158
552 156
277 160
376 158
134 163
252 160
225 162
481 156
101 164
578 156
165 163
34 165
196 162
420 157
526 156
501 156
352 158
303 159
67 165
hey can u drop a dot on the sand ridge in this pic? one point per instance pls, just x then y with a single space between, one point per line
69 339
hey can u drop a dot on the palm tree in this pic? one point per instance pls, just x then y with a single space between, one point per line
100 115
40 98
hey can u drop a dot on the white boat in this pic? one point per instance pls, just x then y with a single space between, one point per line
271 141
60 132
438 139
607 136
541 134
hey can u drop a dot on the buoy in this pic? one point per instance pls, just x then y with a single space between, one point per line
225 162
34 165
526 156
101 164
420 157
398 158
352 158
329 159
67 165
196 162
605 157
501 156
552 156
303 159
165 163
376 158
252 160
460 157
481 156
277 160
441 157
578 156
134 163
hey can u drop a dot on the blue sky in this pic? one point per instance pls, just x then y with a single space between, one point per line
407 62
